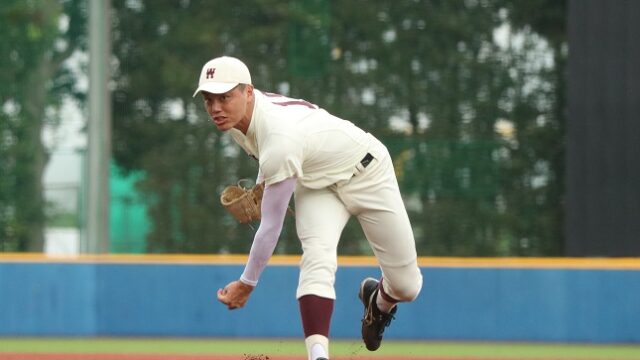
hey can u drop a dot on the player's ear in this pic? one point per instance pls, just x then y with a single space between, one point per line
249 90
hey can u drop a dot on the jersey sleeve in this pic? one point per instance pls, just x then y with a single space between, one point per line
259 177
281 159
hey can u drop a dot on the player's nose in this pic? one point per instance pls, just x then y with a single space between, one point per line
213 107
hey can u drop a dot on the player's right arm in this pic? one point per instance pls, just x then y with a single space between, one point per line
275 201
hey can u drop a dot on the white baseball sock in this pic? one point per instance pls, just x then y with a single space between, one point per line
317 346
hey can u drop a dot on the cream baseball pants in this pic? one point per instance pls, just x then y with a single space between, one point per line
373 196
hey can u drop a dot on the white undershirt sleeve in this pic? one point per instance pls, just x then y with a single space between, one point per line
275 201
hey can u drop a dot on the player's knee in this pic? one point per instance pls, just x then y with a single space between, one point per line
406 288
408 292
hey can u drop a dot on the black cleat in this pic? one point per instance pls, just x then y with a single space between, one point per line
322 358
374 321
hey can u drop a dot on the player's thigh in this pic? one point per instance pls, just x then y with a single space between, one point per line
320 216
390 234
382 214
391 239
320 219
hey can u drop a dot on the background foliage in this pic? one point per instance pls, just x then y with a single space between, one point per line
468 95
36 38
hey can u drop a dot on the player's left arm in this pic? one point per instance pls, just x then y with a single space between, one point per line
275 201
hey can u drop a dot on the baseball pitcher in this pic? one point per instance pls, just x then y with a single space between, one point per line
334 170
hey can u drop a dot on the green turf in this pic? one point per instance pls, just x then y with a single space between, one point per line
154 345
338 348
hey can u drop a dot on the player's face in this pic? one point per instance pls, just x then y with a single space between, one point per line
229 110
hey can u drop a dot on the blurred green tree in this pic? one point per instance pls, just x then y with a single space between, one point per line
37 37
533 178
461 91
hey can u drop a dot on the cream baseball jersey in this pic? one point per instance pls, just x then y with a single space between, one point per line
292 137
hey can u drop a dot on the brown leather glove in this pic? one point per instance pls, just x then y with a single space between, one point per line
243 203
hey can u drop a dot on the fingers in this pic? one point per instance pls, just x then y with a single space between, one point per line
223 297
234 295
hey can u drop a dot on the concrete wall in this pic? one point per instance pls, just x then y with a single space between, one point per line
457 303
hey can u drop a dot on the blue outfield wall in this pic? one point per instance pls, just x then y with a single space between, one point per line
168 299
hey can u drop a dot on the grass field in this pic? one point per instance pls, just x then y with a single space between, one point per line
287 349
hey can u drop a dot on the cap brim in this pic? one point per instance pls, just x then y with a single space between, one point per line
215 87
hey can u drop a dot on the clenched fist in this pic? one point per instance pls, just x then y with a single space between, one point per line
235 294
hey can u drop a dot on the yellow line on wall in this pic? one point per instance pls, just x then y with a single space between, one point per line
238 259
533 263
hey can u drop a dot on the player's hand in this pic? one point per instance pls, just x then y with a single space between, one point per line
235 294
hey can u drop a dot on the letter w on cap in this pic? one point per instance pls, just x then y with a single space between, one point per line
210 72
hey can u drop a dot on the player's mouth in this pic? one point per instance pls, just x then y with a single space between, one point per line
219 120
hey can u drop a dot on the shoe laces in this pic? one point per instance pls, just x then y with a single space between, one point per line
386 319
382 318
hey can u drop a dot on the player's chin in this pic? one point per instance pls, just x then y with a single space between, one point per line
222 125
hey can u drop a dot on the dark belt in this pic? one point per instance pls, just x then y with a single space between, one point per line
366 160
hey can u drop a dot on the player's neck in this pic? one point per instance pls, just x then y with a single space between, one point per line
243 125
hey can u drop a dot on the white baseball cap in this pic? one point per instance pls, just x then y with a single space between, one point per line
222 74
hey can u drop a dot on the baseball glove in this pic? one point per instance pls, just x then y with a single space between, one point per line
243 203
